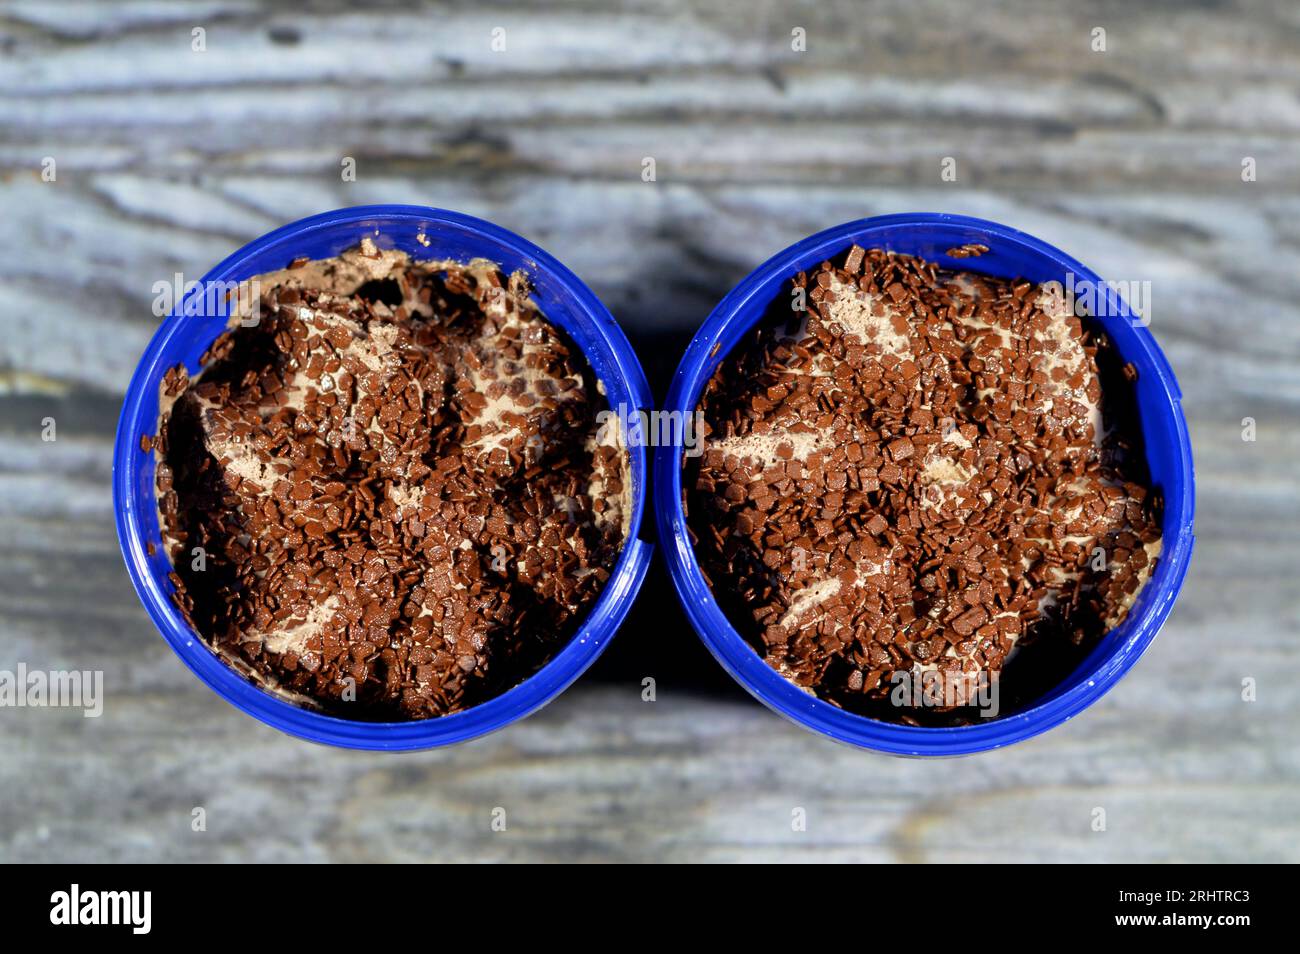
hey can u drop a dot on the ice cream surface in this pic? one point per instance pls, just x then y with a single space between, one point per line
921 472
384 493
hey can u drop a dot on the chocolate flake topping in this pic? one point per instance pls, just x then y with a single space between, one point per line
921 473
387 497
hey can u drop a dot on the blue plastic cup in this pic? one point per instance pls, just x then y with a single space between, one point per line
1011 254
423 233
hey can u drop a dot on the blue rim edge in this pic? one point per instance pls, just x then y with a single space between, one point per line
591 638
769 687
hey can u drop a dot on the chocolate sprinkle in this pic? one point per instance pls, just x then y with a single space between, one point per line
920 474
387 498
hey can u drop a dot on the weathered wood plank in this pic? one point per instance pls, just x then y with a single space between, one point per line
1130 160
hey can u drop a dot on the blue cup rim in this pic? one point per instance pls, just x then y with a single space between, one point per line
749 669
593 635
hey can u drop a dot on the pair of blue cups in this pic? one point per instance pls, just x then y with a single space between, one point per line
426 233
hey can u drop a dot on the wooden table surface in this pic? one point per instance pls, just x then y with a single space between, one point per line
1131 159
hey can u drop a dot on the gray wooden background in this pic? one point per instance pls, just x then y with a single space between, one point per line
167 159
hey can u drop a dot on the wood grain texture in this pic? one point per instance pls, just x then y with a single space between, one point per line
1129 159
